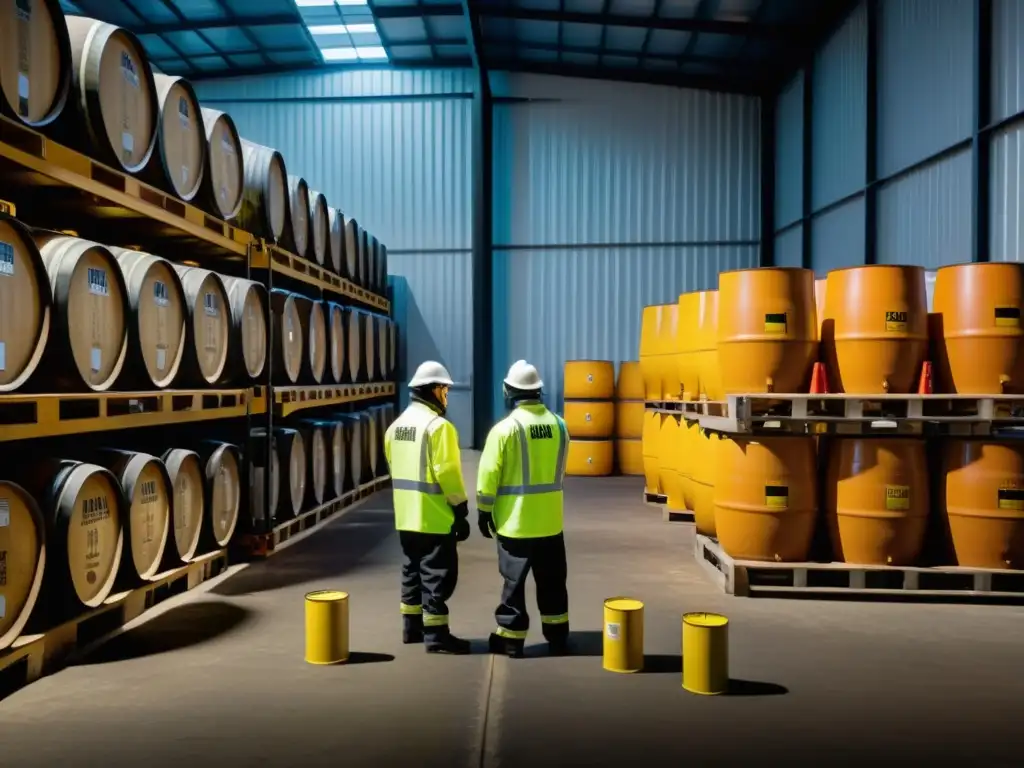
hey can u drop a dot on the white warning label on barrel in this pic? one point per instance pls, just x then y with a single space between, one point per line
5 513
227 146
128 69
3 605
127 141
3 356
161 296
96 359
6 259
23 85
161 358
613 630
210 304
98 285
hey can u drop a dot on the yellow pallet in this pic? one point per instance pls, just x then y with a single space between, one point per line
289 400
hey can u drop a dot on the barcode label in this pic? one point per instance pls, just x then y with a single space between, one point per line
161 296
6 260
98 282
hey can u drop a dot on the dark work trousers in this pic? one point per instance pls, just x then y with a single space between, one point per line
430 572
546 558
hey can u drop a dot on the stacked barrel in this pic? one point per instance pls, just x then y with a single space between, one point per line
629 419
588 392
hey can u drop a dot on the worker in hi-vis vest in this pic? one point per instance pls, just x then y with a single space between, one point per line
431 509
519 501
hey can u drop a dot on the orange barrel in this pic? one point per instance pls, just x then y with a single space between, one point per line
589 419
650 328
688 315
704 450
709 372
875 332
667 360
984 503
766 497
588 380
630 384
979 351
649 444
629 455
819 303
687 459
876 500
668 458
767 335
590 458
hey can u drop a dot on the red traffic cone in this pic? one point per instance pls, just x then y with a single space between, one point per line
819 382
924 386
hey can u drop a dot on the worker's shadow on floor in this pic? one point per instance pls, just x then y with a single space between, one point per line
591 643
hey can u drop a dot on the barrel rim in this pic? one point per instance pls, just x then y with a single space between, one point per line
635 604
203 145
901 267
135 339
1010 264
567 362
126 499
66 74
115 572
239 160
61 288
45 296
327 596
764 269
36 511
91 101
711 620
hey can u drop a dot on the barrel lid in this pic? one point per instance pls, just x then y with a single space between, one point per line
705 619
326 596
623 604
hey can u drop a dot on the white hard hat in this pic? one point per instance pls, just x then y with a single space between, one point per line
430 372
523 376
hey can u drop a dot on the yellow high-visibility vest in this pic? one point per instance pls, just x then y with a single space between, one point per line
422 449
522 469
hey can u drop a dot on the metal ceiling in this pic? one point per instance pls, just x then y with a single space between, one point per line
730 45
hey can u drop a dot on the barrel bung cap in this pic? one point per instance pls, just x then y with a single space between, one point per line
705 620
326 596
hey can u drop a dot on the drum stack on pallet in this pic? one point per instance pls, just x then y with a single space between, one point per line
842 438
141 371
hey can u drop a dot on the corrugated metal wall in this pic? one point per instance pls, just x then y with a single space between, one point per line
609 198
392 149
925 106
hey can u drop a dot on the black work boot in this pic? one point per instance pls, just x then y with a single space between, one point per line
506 646
447 643
412 629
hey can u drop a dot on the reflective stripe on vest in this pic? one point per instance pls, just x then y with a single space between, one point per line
422 484
528 488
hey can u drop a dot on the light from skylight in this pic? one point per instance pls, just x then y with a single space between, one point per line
313 3
341 29
352 2
339 54
356 29
371 52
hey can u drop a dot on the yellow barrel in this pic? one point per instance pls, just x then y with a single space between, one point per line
623 635
650 329
980 350
819 303
688 311
686 460
326 627
651 439
668 472
709 372
766 498
704 450
984 503
767 334
590 419
630 385
671 386
629 455
589 380
875 333
629 418
590 458
705 653
876 500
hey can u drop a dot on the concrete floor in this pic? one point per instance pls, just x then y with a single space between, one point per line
217 677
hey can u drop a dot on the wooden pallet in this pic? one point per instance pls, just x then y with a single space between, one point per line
255 545
34 656
745 578
677 515
963 415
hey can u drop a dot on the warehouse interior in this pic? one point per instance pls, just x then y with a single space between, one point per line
485 181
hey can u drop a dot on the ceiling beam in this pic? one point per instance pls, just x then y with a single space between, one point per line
454 62
724 64
198 24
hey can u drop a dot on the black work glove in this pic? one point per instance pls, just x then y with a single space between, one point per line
485 522
460 529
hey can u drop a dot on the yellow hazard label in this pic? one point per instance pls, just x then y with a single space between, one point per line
1011 497
7 208
897 497
1007 317
775 322
895 321
776 496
